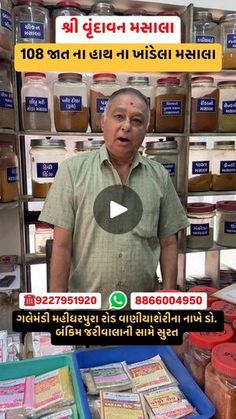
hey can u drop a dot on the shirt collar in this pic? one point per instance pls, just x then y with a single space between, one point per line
104 156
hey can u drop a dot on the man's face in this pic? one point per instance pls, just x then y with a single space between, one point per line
124 126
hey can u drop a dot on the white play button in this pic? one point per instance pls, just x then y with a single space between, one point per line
116 209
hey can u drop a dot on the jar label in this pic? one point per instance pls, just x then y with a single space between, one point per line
71 103
6 100
11 174
228 107
171 107
36 104
228 166
101 104
199 229
199 167
170 167
46 170
6 21
230 227
206 105
205 39
30 30
231 40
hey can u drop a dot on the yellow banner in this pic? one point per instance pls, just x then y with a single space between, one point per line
118 57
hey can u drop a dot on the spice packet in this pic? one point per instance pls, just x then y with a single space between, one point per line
150 374
168 402
121 405
14 347
67 413
3 346
42 346
94 404
16 396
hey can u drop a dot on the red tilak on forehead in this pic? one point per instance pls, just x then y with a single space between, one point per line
131 103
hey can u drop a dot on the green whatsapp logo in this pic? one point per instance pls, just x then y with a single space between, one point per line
118 300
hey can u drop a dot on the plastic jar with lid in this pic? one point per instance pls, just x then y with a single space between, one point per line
70 103
228 40
204 29
198 348
170 105
224 166
31 22
104 84
166 153
46 156
227 105
204 105
209 291
201 220
102 8
36 103
226 223
6 25
90 145
43 232
229 310
174 13
199 168
135 11
64 8
7 113
8 173
141 83
220 380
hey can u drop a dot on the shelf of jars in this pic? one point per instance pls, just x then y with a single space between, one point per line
212 193
96 134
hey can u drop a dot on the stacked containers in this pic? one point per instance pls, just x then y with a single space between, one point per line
200 230
226 223
228 40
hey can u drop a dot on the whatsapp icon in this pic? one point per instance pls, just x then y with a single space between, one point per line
117 300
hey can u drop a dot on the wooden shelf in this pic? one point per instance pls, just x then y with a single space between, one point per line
212 193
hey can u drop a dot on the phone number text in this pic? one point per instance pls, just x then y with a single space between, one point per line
168 301
60 300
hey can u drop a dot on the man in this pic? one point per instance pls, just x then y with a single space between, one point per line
87 258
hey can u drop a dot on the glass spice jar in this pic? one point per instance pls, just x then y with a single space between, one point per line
170 105
199 168
227 106
90 145
226 223
135 11
64 8
70 103
36 103
198 348
204 105
46 156
104 84
8 173
228 40
7 113
6 25
228 309
102 8
142 84
220 380
224 166
205 30
31 22
201 220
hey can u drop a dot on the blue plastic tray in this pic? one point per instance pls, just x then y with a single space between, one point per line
100 356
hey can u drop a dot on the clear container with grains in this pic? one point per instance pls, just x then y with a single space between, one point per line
90 145
64 8
104 84
102 8
170 105
141 83
7 114
201 220
228 40
46 156
227 106
6 25
205 30
43 232
174 13
204 104
8 173
226 223
36 103
224 166
220 380
229 310
31 22
70 99
208 290
166 153
198 348
199 168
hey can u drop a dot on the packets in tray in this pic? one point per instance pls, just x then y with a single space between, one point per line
121 405
16 397
150 374
111 376
41 344
167 402
66 413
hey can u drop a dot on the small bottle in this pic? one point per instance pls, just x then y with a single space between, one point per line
102 8
8 173
224 166
201 220
64 8
228 40
43 232
199 168
227 106
204 29
7 115
36 103
31 22
226 223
